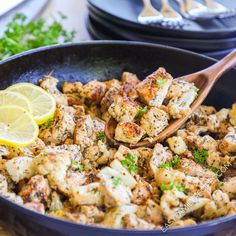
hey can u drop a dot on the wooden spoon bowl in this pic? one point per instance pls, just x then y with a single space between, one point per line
204 80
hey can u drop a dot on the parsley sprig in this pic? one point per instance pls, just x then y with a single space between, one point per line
117 181
160 81
179 187
171 164
100 135
200 156
21 36
141 111
48 122
77 166
130 163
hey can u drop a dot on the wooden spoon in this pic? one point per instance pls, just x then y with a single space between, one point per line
203 80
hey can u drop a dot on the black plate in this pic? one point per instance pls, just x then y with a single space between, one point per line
98 33
189 44
105 60
125 12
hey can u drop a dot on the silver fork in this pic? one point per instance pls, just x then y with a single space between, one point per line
219 10
171 17
193 10
149 14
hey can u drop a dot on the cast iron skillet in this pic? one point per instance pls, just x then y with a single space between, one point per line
105 60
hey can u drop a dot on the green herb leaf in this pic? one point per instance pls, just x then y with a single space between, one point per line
48 122
180 188
100 135
130 163
77 166
196 90
200 156
141 111
21 36
171 164
160 81
215 170
220 184
117 181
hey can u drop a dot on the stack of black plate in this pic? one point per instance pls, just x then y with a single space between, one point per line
118 20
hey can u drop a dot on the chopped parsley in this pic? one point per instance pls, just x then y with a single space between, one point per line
172 186
21 35
48 122
196 90
160 81
77 166
100 135
141 111
220 184
130 163
171 164
117 181
200 156
215 170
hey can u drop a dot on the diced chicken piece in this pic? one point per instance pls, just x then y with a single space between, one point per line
228 143
114 216
150 212
37 190
70 215
4 151
154 88
124 109
141 193
190 167
55 203
98 130
175 205
129 78
3 184
97 155
129 91
154 121
180 106
177 88
20 168
232 115
126 177
160 155
113 83
229 187
61 128
37 146
5 193
54 165
89 194
182 223
116 184
109 98
74 99
49 84
84 131
123 152
218 207
19 151
35 206
128 132
93 92
72 87
93 213
177 145
131 221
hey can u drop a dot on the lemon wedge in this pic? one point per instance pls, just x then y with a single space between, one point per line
17 127
12 98
42 103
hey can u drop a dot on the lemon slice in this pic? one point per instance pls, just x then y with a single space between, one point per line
42 103
12 98
17 126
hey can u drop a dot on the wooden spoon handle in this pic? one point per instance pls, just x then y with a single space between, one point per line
213 73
